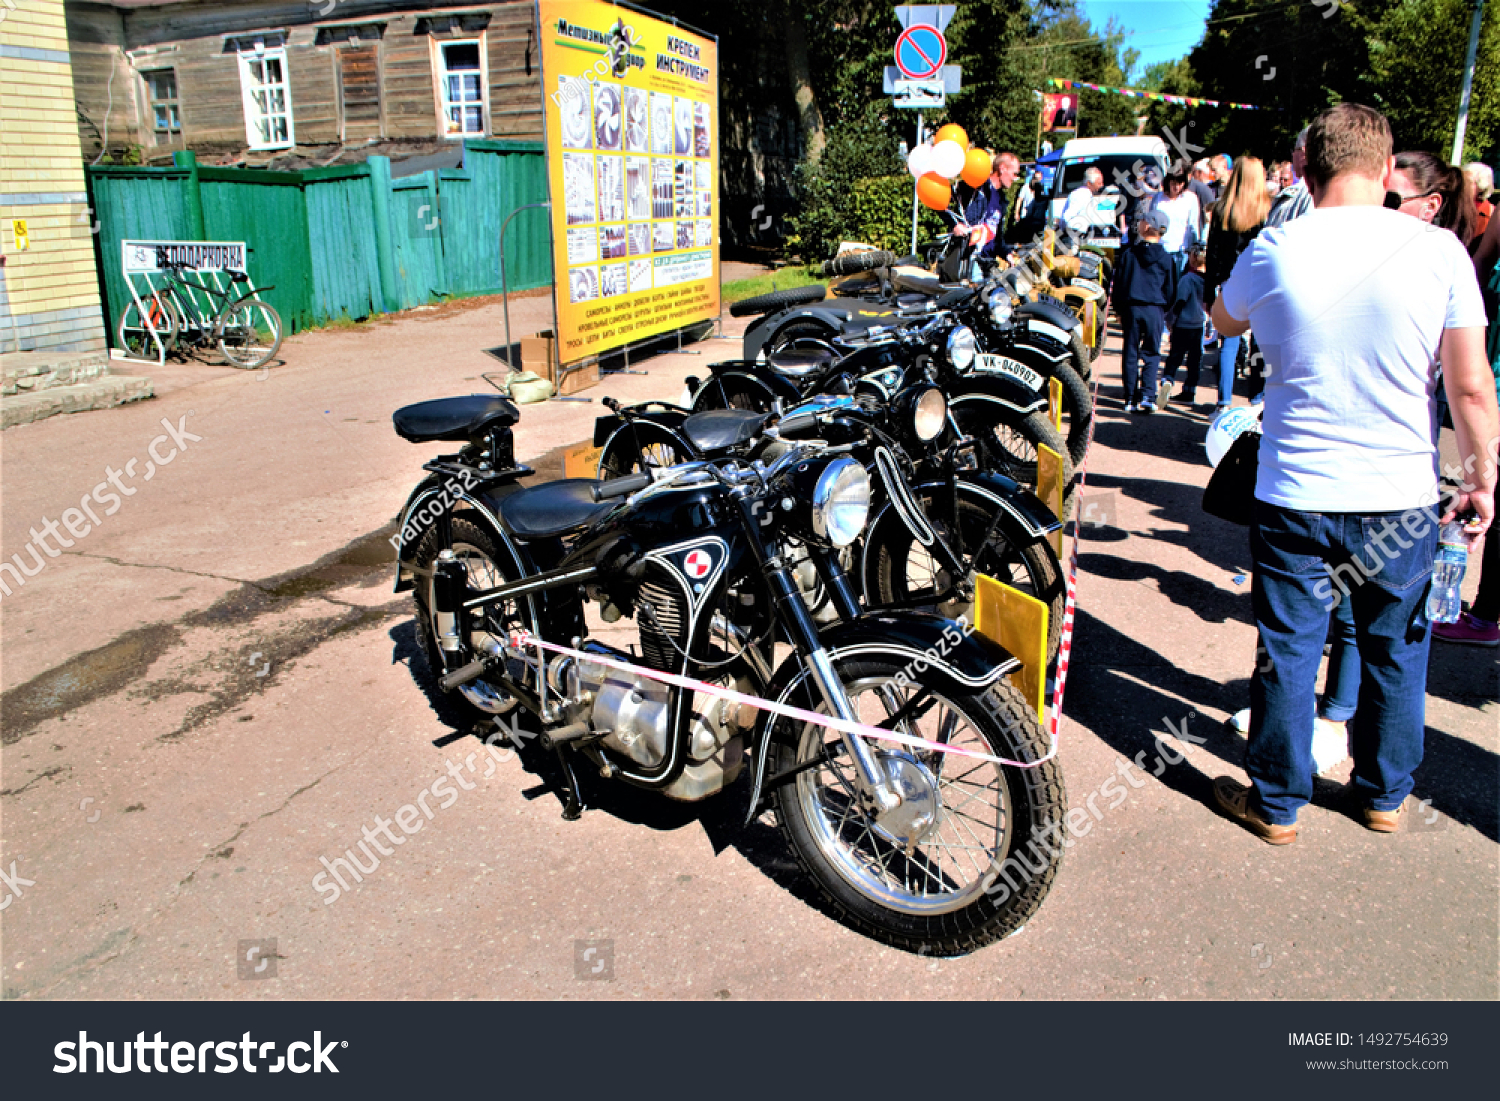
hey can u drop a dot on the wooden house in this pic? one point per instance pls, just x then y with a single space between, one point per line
260 80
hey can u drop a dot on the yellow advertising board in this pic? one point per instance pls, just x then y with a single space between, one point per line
632 132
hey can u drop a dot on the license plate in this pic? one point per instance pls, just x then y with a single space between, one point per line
1006 366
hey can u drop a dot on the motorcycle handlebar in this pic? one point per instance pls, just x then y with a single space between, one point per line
621 487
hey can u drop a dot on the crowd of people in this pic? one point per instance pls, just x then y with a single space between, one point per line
1357 272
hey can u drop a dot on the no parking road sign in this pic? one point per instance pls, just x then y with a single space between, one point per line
920 52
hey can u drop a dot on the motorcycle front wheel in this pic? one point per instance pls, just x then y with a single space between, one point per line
1008 443
902 573
972 851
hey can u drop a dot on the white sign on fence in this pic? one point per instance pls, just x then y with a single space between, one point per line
149 257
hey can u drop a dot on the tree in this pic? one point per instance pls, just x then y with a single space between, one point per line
1417 50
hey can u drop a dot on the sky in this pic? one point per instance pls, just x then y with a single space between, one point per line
1162 29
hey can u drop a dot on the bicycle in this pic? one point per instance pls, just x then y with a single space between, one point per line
246 330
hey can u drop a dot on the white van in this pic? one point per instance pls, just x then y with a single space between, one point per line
1122 160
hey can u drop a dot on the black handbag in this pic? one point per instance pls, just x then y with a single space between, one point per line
1230 493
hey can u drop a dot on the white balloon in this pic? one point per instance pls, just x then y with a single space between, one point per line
948 158
919 162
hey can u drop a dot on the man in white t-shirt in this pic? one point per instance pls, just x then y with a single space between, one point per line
1352 305
1078 212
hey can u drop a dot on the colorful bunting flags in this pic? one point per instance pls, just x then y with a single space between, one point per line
1160 97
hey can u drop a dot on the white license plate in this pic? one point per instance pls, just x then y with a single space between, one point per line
1006 366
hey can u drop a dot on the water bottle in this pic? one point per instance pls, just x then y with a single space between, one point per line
1445 603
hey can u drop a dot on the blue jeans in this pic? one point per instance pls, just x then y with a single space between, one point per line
1140 357
1341 687
1229 352
1306 562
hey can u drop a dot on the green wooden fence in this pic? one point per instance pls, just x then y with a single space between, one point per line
339 242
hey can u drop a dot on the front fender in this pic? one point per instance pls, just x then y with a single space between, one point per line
937 652
836 317
991 390
1048 318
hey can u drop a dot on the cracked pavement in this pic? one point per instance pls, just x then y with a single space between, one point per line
136 690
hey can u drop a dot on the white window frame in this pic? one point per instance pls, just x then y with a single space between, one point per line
440 85
248 87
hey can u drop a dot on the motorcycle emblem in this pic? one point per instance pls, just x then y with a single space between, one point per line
697 564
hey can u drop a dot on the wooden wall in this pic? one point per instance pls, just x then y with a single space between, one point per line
189 37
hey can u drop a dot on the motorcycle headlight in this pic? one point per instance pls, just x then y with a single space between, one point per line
841 501
961 347
1001 308
930 415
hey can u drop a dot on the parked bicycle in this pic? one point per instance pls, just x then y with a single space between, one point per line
200 314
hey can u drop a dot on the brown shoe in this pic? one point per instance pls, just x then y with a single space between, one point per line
1383 821
1234 800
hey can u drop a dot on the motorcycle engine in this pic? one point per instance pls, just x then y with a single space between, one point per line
636 711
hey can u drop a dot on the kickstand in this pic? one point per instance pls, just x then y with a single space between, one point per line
572 795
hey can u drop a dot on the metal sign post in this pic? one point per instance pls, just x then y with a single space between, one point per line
920 80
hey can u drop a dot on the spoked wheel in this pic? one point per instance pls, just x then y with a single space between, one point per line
973 849
904 573
135 336
248 334
1008 443
641 446
476 549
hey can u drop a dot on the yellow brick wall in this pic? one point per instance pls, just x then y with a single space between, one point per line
40 155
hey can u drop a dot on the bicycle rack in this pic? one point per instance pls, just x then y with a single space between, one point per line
211 260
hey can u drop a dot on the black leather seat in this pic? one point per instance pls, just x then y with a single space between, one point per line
717 429
552 508
457 419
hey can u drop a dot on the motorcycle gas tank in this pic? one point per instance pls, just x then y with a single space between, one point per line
660 519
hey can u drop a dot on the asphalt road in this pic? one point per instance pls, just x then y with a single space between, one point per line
214 688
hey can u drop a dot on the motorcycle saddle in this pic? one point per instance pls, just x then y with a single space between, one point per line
552 508
457 419
717 429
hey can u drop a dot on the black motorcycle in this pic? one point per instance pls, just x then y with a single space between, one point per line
907 841
1006 414
936 521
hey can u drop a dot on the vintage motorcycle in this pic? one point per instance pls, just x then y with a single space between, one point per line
906 839
936 520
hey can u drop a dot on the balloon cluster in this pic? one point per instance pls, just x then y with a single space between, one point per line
948 157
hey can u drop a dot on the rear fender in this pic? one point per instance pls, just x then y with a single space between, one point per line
430 499
754 375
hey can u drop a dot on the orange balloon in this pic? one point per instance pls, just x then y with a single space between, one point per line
934 191
976 167
952 132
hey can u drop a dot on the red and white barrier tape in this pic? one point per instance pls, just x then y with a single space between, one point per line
525 638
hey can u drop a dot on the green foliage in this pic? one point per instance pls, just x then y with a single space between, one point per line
858 149
1417 52
782 280
880 214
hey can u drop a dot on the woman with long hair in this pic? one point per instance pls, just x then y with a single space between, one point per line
1435 192
1237 217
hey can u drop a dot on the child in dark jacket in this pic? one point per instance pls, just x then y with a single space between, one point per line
1188 319
1143 286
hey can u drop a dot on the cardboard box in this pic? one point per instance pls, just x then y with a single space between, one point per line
580 379
539 355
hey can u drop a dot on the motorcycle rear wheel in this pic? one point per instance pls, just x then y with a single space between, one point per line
476 548
963 881
624 452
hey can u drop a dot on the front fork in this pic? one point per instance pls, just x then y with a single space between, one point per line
870 777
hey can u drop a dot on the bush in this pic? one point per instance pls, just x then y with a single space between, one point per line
880 214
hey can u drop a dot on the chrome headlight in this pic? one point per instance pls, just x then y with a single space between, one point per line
1001 307
961 347
930 415
841 501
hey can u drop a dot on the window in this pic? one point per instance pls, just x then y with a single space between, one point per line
268 98
359 85
462 87
161 97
